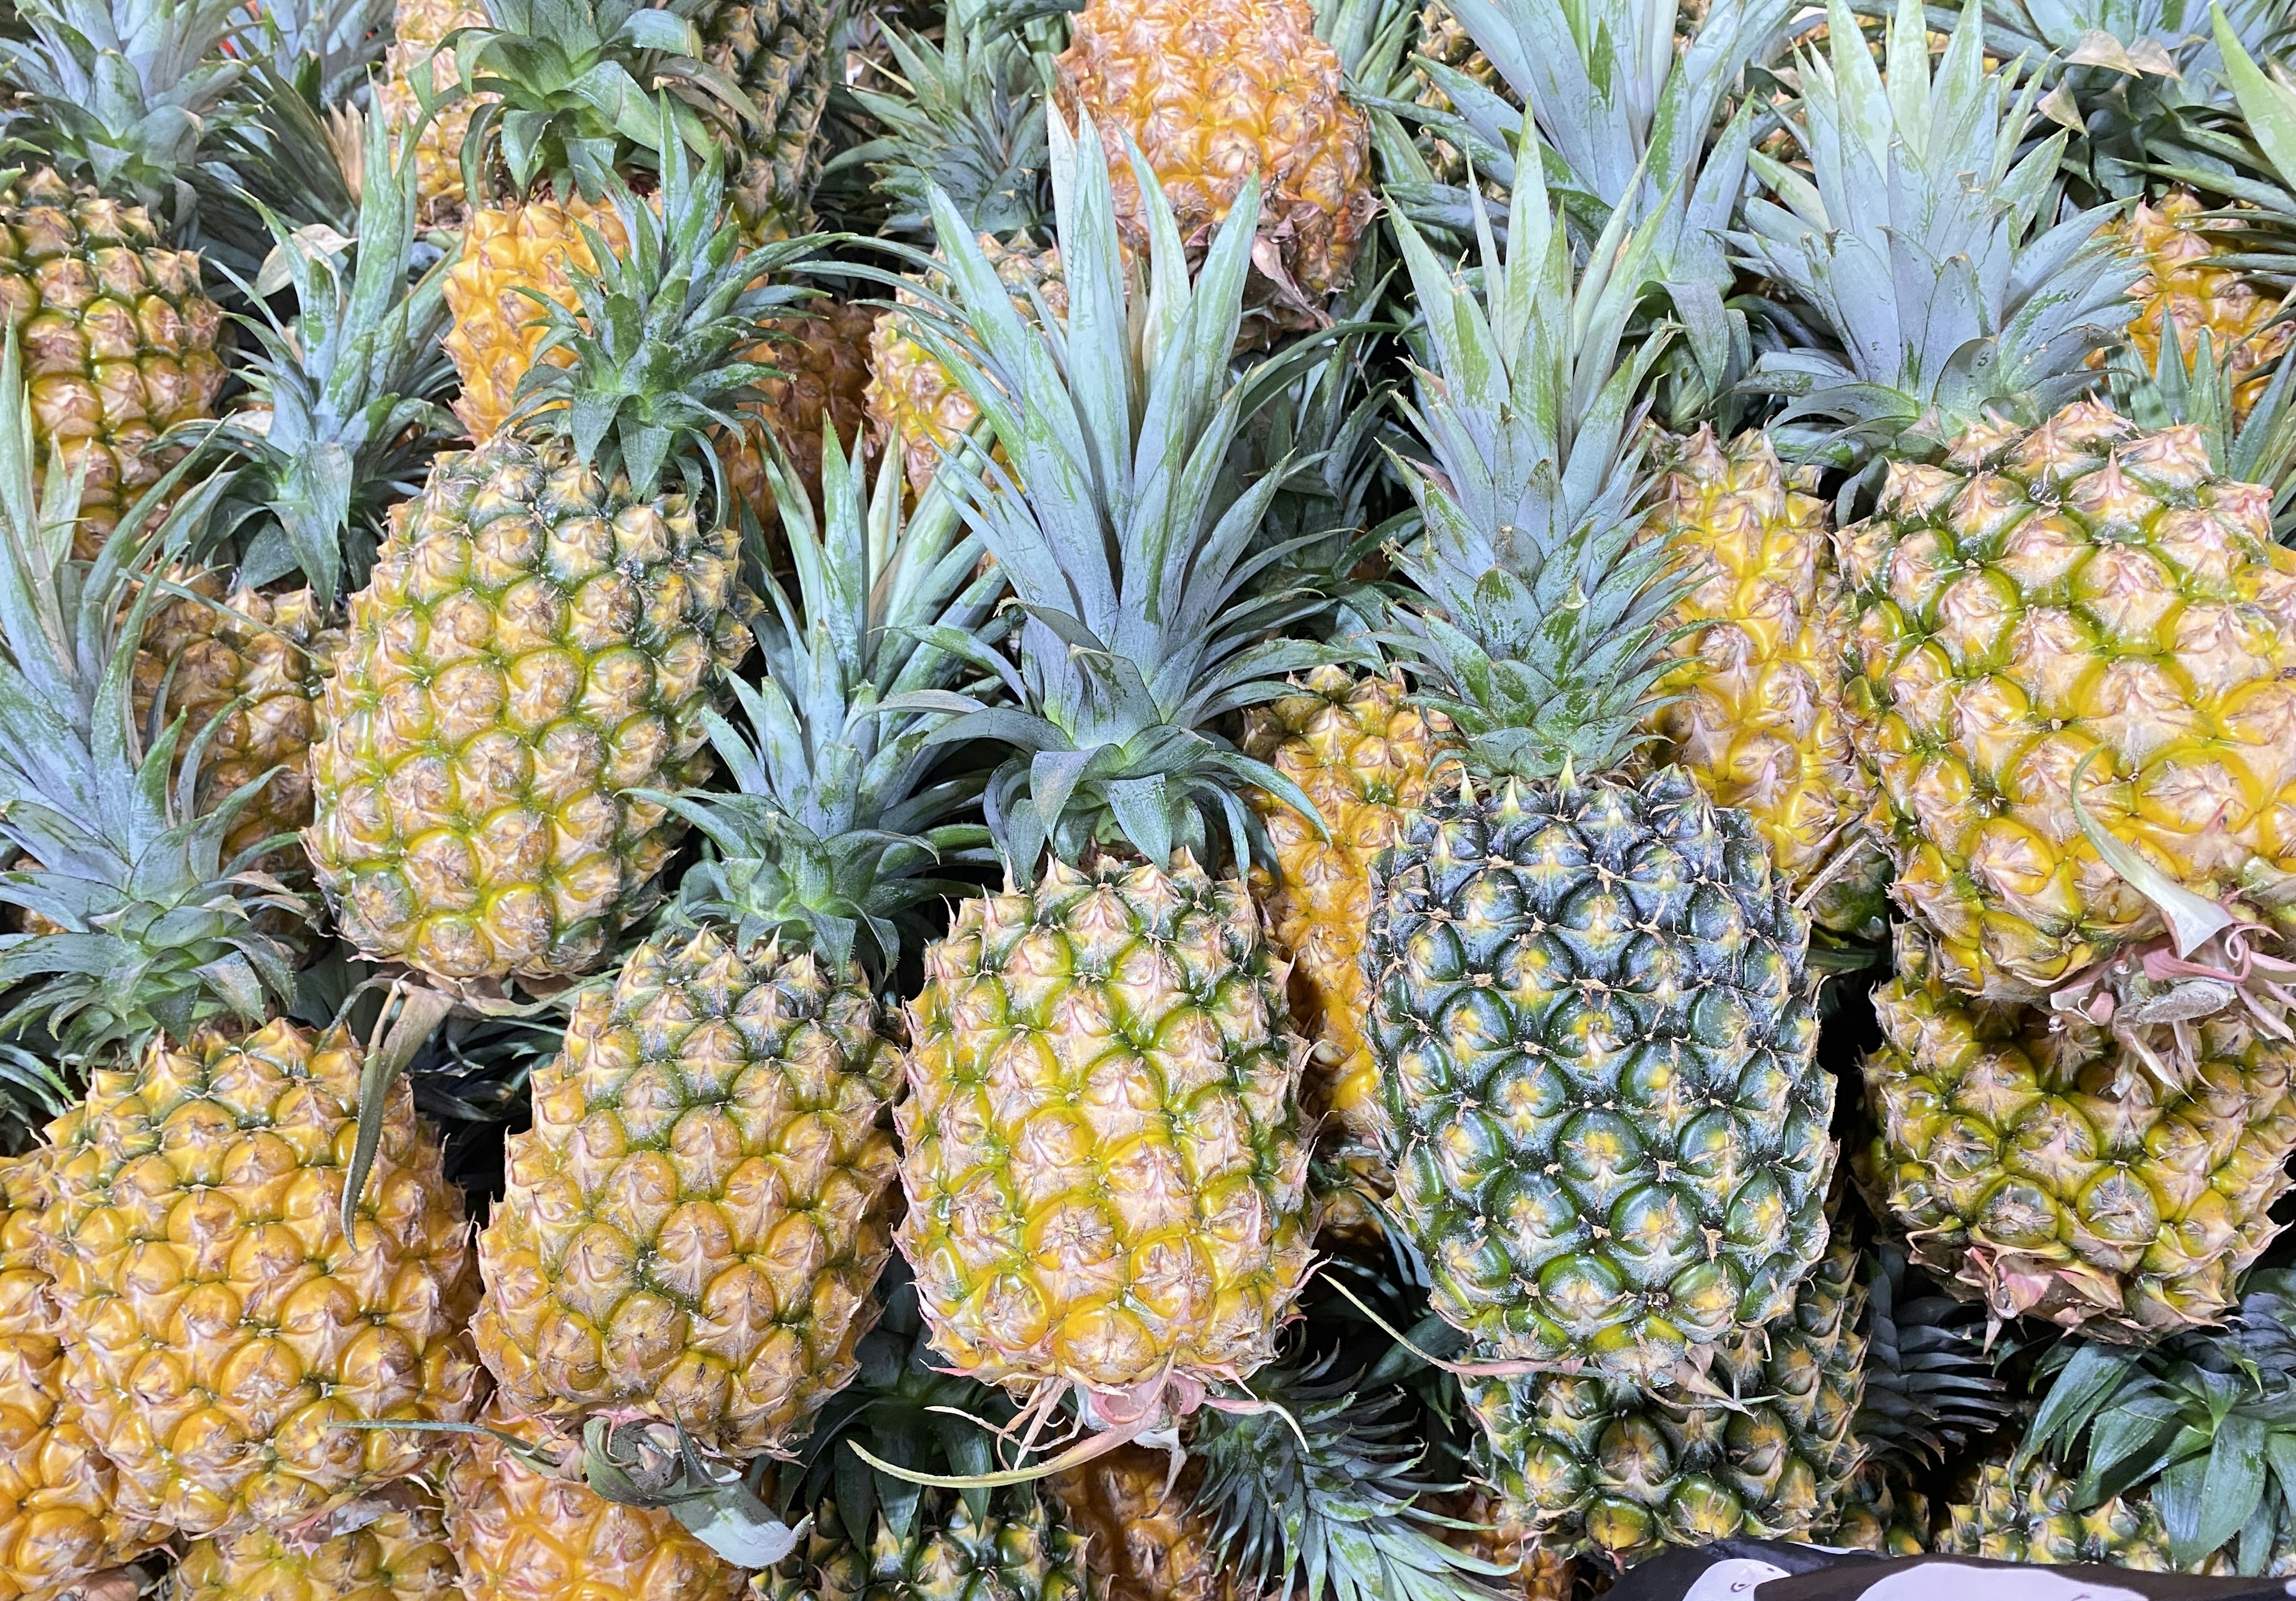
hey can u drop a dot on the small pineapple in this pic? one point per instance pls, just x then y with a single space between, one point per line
417 48
218 1321
521 1533
1212 93
400 1555
2048 1169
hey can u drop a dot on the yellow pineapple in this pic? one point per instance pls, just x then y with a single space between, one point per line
1759 714
421 26
1363 757
400 1554
496 328
1144 1539
1213 92
2176 240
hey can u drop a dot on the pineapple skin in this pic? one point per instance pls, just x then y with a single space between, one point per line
1364 755
2175 241
60 1521
257 664
218 1323
535 643
1611 1470
912 397
519 1534
1213 92
1142 1541
694 1223
402 1555
824 360
421 26
1027 1554
2037 1165
119 344
1103 1150
496 329
2031 1517
1596 1038
2048 595
780 53
1760 715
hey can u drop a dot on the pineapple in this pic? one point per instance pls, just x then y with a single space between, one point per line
822 359
913 397
2176 241
1145 1538
1211 94
784 55
1010 1553
1593 1020
496 328
2046 1167
119 341
1103 1150
219 1321
1758 714
520 1533
400 1555
2033 1516
737 1077
1612 1470
417 48
537 637
1364 755
59 1518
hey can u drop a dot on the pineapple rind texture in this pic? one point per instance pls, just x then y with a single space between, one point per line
534 644
1364 755
824 360
1144 1539
59 1516
495 328
2031 1517
422 26
2042 1167
1010 1554
118 341
1212 93
401 1556
521 1534
694 1223
220 1324
1596 1466
1759 715
1596 1040
2076 592
780 54
2175 241
1105 1159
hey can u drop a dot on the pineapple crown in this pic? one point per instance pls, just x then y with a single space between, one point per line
348 380
1539 634
1916 238
126 90
972 120
324 48
579 89
653 336
155 931
2205 1423
1320 1482
1929 1387
1131 555
831 824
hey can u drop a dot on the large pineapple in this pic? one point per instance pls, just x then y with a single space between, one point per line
1364 755
1103 1150
1212 93
219 1323
401 1555
736 1077
521 1532
1599 1466
1591 1019
537 639
119 341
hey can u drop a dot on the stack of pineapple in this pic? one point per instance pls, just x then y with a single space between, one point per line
736 677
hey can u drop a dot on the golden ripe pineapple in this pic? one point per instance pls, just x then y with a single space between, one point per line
2175 241
118 339
824 358
1363 757
1760 716
1144 1539
400 1555
421 26
738 1093
912 397
59 1519
521 1534
496 328
1213 92
217 1322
